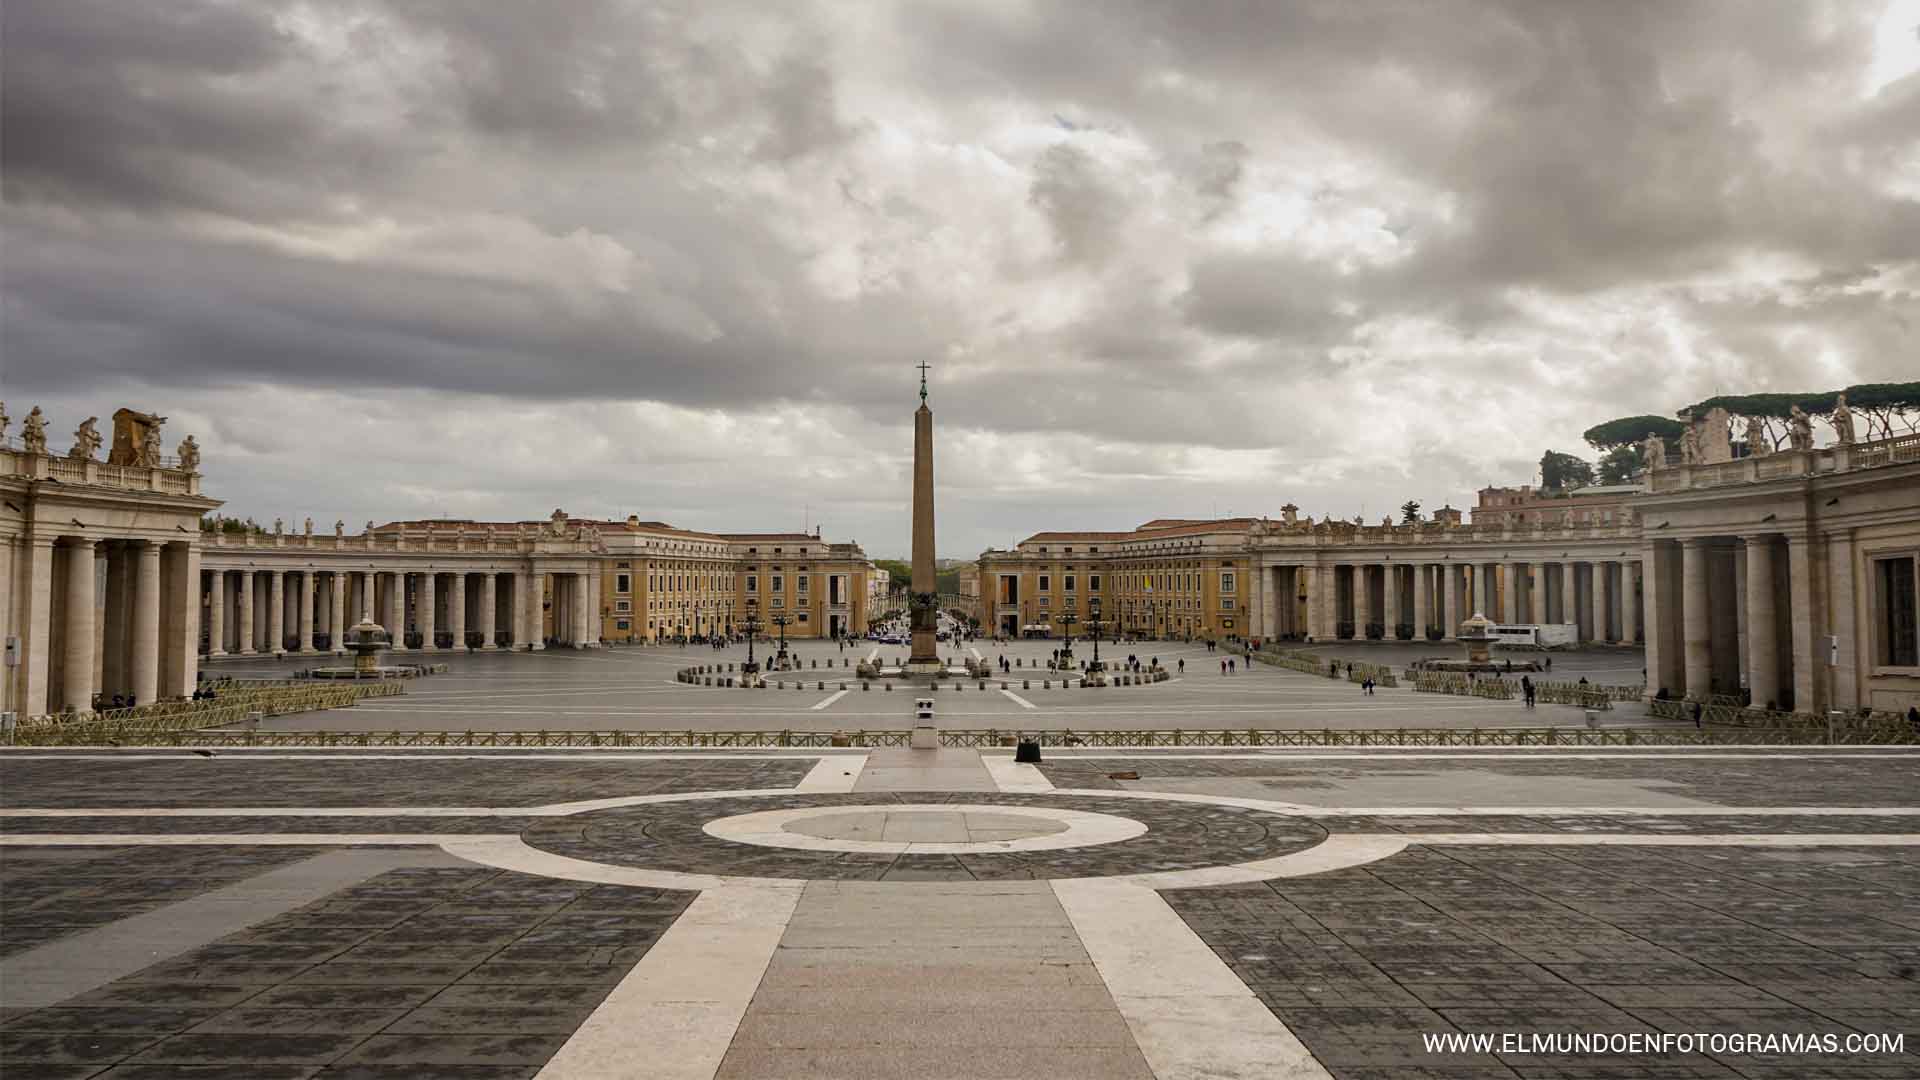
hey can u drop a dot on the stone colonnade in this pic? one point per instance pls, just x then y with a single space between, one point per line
1721 625
1409 600
249 612
118 618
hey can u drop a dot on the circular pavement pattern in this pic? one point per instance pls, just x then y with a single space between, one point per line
1165 836
925 828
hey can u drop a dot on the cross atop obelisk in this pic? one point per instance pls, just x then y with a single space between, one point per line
923 599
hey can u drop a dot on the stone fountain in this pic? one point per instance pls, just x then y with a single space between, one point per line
1476 634
365 639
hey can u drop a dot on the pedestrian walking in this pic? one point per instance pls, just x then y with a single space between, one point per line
1223 667
1526 690
1698 711
1183 671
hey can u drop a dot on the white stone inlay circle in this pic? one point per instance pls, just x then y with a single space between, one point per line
994 824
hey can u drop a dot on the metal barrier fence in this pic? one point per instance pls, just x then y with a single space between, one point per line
138 725
1440 682
1871 727
989 737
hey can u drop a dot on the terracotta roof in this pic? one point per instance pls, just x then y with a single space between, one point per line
1159 528
795 537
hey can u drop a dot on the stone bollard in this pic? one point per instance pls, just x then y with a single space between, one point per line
782 685
1003 684
889 688
1026 684
1046 684
843 686
709 681
865 685
983 686
823 686
816 663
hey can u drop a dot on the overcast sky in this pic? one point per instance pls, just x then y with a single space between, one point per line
485 259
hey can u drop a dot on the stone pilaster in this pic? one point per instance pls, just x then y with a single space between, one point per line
1362 599
1597 599
1537 593
397 608
36 644
1570 597
337 622
1695 618
1809 650
180 636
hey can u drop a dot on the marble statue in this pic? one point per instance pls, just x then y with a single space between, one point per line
1758 445
309 526
277 526
189 455
1654 451
5 421
86 440
1800 429
1290 514
151 446
33 432
1689 446
1842 420
339 527
369 529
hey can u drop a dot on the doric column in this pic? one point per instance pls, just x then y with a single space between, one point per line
115 678
457 609
397 608
1362 599
76 667
1323 604
276 611
342 583
217 613
1630 607
426 607
1570 598
489 608
305 633
1390 609
1809 656
1537 593
368 607
1454 589
143 639
1597 606
1421 618
579 607
1695 621
532 631
1763 640
249 642
517 622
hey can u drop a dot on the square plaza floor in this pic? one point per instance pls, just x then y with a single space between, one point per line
895 913
633 688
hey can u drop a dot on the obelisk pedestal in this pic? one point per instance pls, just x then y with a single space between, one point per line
924 598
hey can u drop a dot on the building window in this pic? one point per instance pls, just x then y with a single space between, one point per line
1069 582
622 583
753 583
779 602
1043 583
1043 603
623 605
1226 603
1895 606
801 582
1226 581
1093 582
801 618
622 624
779 583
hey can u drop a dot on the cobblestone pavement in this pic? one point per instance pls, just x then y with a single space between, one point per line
1330 909
1361 962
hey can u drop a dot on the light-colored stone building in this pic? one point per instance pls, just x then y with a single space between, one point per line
98 565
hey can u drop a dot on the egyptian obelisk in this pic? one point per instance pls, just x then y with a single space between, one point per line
924 598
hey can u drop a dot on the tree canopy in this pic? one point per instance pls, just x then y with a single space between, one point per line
1559 471
1410 512
1631 429
1881 404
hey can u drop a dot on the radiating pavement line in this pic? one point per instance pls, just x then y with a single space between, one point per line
675 1014
1018 700
92 958
1011 775
829 699
1190 1014
835 772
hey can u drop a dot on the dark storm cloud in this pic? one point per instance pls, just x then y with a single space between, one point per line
1295 242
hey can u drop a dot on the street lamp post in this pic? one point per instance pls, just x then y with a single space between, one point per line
1093 628
1067 619
752 628
781 621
